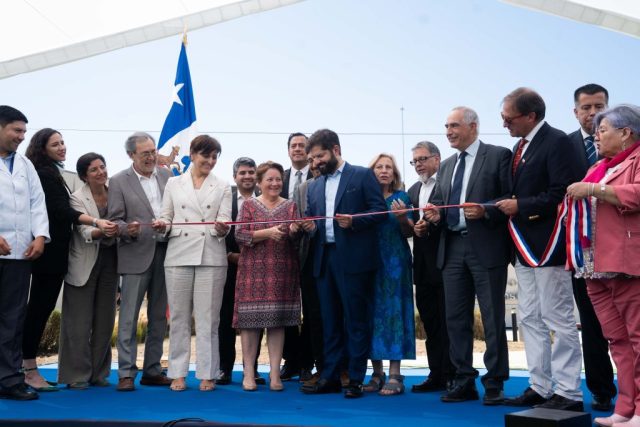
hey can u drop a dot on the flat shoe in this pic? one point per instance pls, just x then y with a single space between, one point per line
45 389
376 382
80 385
178 386
207 385
251 387
276 387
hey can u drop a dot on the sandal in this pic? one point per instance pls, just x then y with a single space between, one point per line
207 385
178 384
48 387
393 388
376 382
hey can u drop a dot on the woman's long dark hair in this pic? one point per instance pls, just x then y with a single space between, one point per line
36 151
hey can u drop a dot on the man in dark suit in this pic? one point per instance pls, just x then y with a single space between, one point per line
542 168
473 254
297 341
426 276
345 259
589 100
135 197
244 175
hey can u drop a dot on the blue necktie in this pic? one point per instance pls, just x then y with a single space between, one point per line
453 214
590 148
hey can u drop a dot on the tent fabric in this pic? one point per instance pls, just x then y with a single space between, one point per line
44 33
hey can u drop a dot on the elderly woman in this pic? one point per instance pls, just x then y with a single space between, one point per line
91 283
393 334
47 151
196 262
611 252
267 286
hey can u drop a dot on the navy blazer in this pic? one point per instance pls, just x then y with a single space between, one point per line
540 183
489 182
358 192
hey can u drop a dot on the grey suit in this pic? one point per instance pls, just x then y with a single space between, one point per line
474 263
141 263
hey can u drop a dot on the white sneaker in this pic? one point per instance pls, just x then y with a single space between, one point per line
610 420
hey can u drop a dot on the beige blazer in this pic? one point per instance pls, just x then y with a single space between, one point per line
83 249
196 244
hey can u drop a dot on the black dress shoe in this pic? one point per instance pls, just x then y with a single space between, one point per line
305 375
461 393
18 392
323 386
562 403
528 398
429 385
259 380
354 390
289 372
225 379
601 403
493 397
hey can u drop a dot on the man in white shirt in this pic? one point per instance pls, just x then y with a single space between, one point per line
24 229
135 198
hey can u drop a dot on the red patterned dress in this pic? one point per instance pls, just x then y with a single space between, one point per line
267 284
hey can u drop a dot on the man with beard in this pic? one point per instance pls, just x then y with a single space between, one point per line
345 259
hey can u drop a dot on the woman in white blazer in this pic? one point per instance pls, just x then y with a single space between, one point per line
196 262
90 285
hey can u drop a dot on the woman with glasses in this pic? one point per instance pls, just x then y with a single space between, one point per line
393 334
612 248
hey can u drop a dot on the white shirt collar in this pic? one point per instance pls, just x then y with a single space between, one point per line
154 174
534 131
585 135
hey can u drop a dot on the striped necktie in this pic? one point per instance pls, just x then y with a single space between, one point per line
590 148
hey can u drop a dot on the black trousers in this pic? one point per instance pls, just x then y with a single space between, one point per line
45 289
14 290
431 306
595 348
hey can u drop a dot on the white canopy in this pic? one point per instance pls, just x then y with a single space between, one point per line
38 34
618 15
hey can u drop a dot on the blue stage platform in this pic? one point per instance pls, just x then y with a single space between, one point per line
230 404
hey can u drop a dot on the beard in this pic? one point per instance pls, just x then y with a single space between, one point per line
329 167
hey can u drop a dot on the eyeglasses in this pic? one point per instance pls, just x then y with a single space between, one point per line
145 154
509 120
420 159
602 130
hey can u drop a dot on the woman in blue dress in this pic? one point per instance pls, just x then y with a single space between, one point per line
393 323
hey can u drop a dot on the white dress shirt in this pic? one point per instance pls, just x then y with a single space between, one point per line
23 215
425 192
152 190
293 177
330 193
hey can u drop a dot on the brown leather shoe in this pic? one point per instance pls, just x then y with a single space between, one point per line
125 384
155 380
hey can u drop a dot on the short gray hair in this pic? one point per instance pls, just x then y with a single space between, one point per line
130 143
429 146
621 116
468 115
243 161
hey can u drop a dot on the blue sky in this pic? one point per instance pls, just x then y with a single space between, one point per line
348 65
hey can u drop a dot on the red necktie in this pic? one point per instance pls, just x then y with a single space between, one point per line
518 155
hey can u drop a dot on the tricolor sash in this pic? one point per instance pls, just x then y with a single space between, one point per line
525 251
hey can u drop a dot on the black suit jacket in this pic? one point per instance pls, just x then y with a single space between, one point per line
425 248
580 153
285 182
55 257
539 185
489 181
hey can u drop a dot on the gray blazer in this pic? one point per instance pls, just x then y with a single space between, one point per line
127 203
83 249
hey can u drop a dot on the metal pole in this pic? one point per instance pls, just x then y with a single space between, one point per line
514 325
404 176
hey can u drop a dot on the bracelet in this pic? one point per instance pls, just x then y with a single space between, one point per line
95 222
603 188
